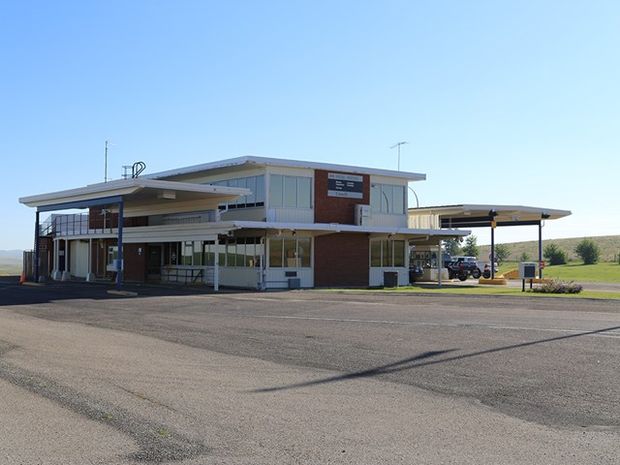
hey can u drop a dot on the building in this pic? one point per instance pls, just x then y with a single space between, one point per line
248 222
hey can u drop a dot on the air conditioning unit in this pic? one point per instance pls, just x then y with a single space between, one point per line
362 215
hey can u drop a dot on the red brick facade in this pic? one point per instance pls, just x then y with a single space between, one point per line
341 260
336 209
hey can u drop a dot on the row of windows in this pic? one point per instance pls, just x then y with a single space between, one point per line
256 184
387 199
387 253
290 191
290 252
296 192
243 252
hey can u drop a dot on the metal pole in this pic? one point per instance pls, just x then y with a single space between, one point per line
216 265
492 253
105 175
119 263
540 250
439 265
36 247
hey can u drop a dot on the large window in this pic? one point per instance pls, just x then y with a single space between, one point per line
290 191
387 198
256 184
290 252
387 253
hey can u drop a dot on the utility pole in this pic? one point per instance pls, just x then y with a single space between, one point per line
105 173
397 146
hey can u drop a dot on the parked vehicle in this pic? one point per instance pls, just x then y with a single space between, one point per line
462 270
415 273
474 266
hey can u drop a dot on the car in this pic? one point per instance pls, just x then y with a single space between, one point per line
415 273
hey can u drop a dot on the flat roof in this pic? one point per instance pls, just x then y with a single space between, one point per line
282 162
472 215
137 191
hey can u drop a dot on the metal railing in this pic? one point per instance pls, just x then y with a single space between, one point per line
73 224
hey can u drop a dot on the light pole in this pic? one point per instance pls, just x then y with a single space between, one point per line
397 146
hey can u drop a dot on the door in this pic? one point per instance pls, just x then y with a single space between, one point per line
154 262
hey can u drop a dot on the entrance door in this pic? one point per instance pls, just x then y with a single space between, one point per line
154 262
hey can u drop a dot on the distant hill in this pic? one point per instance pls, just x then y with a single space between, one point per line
609 245
10 262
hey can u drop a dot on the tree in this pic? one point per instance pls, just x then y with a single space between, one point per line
524 257
502 252
453 246
588 251
554 255
471 246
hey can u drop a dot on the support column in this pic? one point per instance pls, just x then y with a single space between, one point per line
66 275
540 250
216 265
439 265
36 247
119 262
90 276
492 253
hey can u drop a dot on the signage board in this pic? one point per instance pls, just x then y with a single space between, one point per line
345 185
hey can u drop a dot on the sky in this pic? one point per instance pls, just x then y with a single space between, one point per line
501 102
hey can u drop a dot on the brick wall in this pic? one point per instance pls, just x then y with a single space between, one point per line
335 209
341 260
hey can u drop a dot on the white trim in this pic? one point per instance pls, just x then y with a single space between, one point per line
466 209
282 162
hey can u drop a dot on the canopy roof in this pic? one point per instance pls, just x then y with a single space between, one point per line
481 215
139 195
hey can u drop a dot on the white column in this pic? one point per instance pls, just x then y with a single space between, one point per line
90 276
216 265
66 275
55 273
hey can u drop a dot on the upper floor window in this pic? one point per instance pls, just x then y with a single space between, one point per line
256 184
290 191
387 198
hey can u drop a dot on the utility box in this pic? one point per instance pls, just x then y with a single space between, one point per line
527 270
362 215
390 279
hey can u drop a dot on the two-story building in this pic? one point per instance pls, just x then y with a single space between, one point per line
247 222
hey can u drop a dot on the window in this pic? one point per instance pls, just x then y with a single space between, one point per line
290 191
387 253
387 199
290 252
112 254
256 198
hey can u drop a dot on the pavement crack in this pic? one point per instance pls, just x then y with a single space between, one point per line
156 442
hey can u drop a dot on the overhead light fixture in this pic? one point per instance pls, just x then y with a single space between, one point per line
167 195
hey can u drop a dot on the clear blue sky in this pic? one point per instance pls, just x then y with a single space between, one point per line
502 102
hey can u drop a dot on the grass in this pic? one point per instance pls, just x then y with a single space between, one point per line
10 269
576 271
485 290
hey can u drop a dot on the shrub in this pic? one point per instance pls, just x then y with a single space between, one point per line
502 252
588 251
554 255
559 287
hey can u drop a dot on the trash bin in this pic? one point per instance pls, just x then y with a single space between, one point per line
390 279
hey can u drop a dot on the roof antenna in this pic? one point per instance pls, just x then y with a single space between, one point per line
397 145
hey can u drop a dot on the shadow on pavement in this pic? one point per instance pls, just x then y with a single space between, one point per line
414 362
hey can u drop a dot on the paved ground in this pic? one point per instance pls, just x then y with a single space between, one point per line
305 377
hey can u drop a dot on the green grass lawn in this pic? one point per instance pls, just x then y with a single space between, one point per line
484 290
576 271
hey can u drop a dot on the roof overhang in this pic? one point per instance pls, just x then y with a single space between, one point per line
420 236
252 161
483 215
140 196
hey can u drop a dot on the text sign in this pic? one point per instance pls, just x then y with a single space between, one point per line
345 185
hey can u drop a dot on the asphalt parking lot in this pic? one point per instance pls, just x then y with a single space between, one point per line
308 377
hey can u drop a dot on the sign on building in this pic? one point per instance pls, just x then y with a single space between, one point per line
345 185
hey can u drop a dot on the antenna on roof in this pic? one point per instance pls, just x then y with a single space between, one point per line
397 145
137 168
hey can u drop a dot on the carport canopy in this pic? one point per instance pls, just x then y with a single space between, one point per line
485 215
